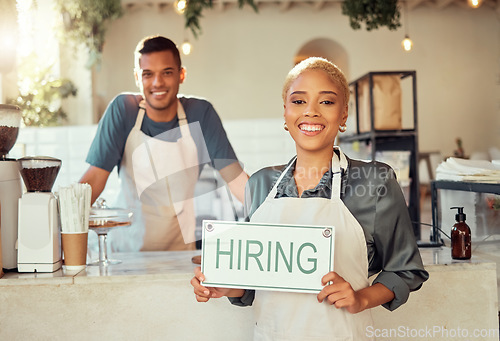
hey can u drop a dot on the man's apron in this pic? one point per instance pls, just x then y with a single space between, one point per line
299 316
163 174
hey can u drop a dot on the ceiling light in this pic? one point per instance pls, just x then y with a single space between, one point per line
186 47
407 44
180 6
474 3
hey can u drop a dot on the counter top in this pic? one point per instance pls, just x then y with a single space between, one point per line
148 296
435 258
177 264
140 265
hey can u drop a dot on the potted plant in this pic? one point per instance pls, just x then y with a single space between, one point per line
40 94
194 9
86 21
374 13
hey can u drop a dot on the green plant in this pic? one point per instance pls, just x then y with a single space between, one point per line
41 93
194 9
373 13
86 21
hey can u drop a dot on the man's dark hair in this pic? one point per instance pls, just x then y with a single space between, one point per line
156 44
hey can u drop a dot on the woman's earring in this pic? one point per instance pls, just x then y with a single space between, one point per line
285 126
343 128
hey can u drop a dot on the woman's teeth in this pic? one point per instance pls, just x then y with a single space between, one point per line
307 127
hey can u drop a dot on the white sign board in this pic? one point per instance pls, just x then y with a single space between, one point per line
266 256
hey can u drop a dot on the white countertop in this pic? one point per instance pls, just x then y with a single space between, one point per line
143 265
151 294
178 264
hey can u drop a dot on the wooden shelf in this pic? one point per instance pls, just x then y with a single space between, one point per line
391 140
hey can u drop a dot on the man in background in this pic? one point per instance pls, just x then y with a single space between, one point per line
159 141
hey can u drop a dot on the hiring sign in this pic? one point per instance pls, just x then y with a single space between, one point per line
266 256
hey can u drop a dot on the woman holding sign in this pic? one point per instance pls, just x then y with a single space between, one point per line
321 186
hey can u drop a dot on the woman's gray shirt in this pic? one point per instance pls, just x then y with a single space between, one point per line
372 194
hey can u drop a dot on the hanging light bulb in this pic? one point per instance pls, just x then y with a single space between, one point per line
180 6
186 47
407 44
475 3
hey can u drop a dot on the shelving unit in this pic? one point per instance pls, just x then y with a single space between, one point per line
390 140
436 185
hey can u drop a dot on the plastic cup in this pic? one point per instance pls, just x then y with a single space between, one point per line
74 246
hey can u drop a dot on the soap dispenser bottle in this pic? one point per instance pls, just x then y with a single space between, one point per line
460 237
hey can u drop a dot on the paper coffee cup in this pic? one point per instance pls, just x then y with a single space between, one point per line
74 246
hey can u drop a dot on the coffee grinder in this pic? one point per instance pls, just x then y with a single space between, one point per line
39 236
10 185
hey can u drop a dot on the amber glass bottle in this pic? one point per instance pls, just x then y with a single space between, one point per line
460 237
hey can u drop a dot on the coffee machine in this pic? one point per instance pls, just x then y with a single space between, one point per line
10 185
39 236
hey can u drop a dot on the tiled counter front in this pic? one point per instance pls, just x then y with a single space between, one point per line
148 297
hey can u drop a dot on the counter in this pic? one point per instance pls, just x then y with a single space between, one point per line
148 297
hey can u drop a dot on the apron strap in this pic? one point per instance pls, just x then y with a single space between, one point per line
181 116
274 190
338 163
140 115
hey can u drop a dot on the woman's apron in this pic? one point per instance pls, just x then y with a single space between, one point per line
299 316
163 175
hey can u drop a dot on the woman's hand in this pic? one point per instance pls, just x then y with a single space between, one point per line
340 294
203 294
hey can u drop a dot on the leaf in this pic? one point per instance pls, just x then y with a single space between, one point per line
374 13
194 9
40 101
86 22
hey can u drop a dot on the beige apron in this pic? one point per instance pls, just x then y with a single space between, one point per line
299 316
163 174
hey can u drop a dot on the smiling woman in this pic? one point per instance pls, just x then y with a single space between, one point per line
372 232
315 99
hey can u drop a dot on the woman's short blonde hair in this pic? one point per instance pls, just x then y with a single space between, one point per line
317 63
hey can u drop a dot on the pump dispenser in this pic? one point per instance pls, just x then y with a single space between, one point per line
460 237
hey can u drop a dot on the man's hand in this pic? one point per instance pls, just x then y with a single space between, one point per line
96 177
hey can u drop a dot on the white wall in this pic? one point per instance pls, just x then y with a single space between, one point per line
241 59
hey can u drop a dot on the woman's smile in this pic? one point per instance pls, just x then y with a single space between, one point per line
311 129
314 110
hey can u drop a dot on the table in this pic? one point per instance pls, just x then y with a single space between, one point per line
456 186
